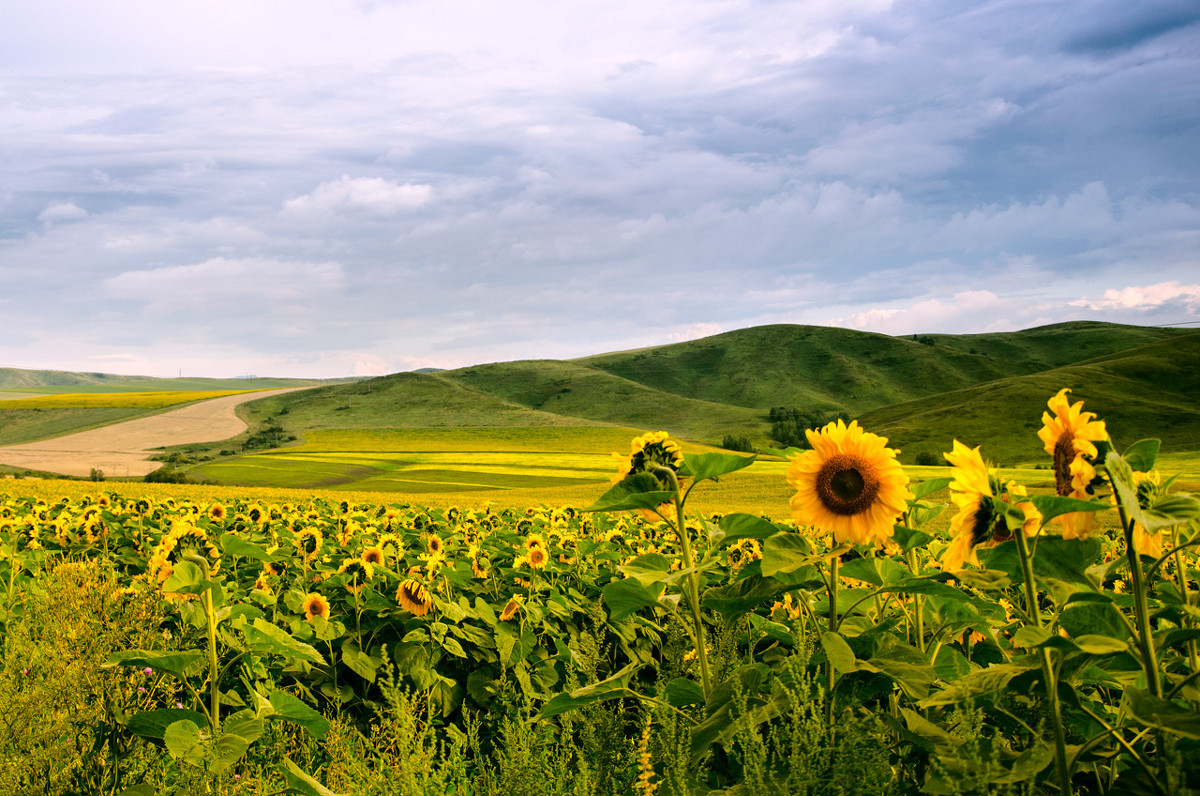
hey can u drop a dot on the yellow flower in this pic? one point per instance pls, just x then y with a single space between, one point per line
537 557
651 449
309 543
414 598
374 556
850 484
359 571
315 605
511 608
1149 488
216 512
1070 436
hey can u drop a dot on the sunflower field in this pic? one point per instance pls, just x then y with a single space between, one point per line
1047 643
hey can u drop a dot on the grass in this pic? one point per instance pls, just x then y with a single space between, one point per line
30 425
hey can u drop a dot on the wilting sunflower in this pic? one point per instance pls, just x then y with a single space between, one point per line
315 605
1070 436
511 608
850 484
359 573
414 598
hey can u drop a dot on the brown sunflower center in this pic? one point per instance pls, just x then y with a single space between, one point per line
847 484
1064 454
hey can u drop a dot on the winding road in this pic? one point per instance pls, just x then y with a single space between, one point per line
124 449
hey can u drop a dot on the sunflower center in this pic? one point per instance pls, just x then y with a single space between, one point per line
847 484
1064 454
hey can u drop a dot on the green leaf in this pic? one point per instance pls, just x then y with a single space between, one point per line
682 692
235 545
704 466
838 652
1172 716
1100 645
910 538
1054 557
179 664
263 636
154 723
1172 509
1093 618
299 781
624 597
745 526
788 552
648 568
245 726
363 664
637 491
609 688
909 667
979 683
875 570
186 578
227 749
745 595
719 707
1121 476
183 741
1030 636
928 487
1052 506
1142 454
290 708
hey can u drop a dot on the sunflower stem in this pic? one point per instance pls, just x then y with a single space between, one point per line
918 607
1049 674
1141 611
214 692
830 674
693 579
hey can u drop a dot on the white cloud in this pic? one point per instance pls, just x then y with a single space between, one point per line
694 331
1145 297
61 211
371 195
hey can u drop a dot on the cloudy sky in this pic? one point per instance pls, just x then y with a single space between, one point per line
337 187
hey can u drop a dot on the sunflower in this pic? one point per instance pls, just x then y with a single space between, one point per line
537 557
650 450
217 512
374 556
971 491
534 540
309 542
511 608
414 598
850 484
359 571
1070 436
1149 488
315 605
434 544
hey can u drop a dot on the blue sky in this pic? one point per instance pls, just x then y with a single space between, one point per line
330 187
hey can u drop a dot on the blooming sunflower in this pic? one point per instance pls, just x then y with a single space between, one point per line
977 520
537 557
217 512
374 556
309 543
850 484
413 597
1070 436
315 605
434 544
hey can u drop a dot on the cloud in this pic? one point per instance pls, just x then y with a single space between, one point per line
371 195
61 211
1146 297
694 331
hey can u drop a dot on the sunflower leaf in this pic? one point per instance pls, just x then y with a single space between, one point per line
263 636
1052 506
637 491
300 782
745 526
179 664
234 545
624 597
704 466
1143 454
290 708
924 488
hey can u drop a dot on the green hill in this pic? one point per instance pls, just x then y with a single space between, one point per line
828 369
1149 391
53 381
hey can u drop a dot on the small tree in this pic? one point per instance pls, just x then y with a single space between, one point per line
96 475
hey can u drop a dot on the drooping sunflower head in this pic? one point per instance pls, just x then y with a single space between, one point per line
650 450
315 605
358 572
1070 436
413 597
850 484
309 543
511 607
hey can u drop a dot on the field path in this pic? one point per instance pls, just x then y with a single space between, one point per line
124 449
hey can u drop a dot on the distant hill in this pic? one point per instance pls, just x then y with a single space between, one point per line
921 391
66 381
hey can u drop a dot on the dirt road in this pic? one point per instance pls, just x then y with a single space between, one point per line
124 449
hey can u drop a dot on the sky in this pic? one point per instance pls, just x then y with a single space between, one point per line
322 188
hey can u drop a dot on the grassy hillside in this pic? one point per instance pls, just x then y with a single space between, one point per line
1148 391
828 369
575 390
